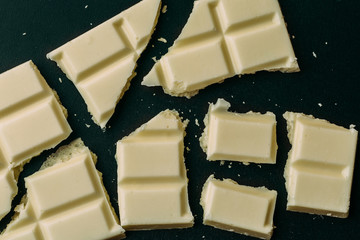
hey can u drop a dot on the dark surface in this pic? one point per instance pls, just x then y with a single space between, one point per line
330 79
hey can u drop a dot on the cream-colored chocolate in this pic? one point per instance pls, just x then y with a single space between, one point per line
152 183
320 165
249 137
8 188
31 121
242 209
101 62
65 200
223 38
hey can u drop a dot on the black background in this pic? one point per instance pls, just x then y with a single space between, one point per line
330 79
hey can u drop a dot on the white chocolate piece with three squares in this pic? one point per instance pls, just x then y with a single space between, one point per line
223 38
152 182
320 165
101 62
242 209
65 200
31 121
249 137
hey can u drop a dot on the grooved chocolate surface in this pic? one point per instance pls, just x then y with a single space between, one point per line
327 87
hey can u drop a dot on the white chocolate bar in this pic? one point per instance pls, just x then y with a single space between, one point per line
65 200
242 209
31 121
223 38
101 62
320 165
152 183
249 137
